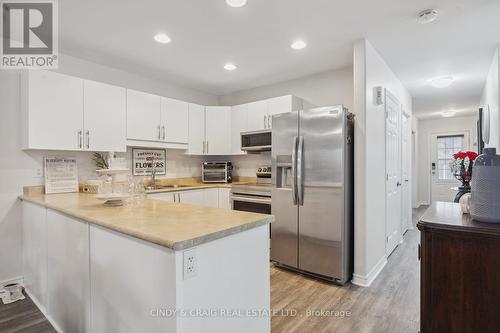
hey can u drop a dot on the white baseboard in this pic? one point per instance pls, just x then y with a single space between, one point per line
44 311
18 279
366 280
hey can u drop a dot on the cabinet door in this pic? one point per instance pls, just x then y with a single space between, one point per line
55 111
257 115
196 135
165 196
224 198
217 129
143 116
239 123
211 197
68 275
35 252
194 197
175 120
105 117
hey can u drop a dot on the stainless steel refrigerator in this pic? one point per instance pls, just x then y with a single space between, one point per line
312 192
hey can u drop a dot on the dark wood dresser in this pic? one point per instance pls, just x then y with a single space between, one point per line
460 272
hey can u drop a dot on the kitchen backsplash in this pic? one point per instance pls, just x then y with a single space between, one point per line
179 165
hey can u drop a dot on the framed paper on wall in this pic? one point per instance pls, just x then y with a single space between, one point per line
143 159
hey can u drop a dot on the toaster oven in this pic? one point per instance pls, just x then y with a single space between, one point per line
217 172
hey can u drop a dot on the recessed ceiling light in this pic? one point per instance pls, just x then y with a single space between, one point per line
162 38
427 16
236 3
298 44
447 114
442 81
229 67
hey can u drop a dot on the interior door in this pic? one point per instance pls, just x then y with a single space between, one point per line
442 147
406 172
105 117
393 170
284 241
320 157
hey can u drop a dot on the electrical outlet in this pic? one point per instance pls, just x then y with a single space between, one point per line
38 173
189 263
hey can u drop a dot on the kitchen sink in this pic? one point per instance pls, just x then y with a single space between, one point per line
161 187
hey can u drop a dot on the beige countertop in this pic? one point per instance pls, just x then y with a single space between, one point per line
185 185
174 225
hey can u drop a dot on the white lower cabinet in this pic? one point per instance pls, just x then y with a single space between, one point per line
68 275
208 197
35 252
224 200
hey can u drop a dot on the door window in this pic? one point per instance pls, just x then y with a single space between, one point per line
446 147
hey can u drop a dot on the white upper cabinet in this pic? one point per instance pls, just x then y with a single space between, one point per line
52 111
175 120
239 123
196 133
217 130
257 115
143 116
104 117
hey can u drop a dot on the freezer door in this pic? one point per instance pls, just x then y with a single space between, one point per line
284 239
321 171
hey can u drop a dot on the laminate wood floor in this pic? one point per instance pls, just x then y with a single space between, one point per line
390 304
23 316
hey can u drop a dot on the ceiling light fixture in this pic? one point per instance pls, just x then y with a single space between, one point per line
162 38
230 67
442 81
447 114
236 3
427 16
298 45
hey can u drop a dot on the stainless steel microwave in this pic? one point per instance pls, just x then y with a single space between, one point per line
256 141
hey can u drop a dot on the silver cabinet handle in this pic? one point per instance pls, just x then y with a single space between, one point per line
294 170
207 146
88 139
179 197
300 166
268 121
203 146
164 135
265 121
80 139
174 197
159 134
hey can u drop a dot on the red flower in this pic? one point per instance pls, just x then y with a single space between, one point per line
463 154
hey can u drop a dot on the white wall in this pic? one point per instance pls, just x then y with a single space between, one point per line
426 127
327 88
18 168
490 97
370 71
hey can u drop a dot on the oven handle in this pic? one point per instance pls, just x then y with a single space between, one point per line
247 199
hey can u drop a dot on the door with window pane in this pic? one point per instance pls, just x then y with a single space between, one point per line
443 146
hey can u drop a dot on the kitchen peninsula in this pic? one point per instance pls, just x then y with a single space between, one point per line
154 266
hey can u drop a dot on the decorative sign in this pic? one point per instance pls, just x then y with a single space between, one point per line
61 175
143 159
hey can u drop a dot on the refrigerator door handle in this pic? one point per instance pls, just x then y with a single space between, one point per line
300 176
294 171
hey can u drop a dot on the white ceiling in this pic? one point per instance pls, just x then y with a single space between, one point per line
207 33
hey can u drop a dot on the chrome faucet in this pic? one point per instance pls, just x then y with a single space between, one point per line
152 182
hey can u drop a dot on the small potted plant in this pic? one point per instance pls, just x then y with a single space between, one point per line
461 166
